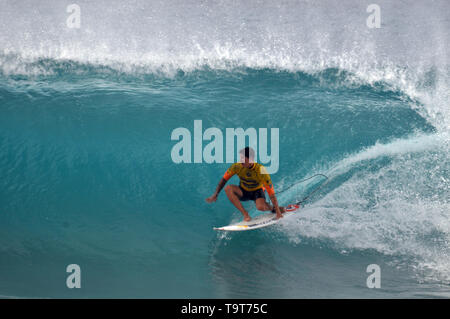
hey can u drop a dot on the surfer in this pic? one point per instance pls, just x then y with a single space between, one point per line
254 179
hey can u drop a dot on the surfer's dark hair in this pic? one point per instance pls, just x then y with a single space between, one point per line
248 152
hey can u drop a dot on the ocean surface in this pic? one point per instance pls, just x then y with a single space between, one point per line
87 177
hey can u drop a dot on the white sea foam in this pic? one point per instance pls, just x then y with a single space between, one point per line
401 209
410 52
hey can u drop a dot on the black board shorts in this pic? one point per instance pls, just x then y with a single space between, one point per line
251 195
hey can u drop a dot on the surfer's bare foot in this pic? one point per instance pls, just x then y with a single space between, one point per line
247 218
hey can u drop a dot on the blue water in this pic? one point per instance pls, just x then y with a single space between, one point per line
87 178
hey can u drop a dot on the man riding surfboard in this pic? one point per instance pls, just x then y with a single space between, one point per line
254 179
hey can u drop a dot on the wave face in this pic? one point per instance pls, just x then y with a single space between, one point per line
86 175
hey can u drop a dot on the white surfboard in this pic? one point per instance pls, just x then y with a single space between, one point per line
260 221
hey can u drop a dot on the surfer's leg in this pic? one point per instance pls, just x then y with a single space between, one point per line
234 193
262 205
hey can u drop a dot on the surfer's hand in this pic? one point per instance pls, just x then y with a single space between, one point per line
279 215
211 199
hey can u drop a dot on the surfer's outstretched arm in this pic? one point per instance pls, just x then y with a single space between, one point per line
219 187
228 174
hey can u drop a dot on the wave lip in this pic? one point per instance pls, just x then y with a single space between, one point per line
427 86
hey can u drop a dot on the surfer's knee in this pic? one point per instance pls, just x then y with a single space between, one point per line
261 206
229 190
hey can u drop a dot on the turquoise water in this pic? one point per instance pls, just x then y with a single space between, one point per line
87 178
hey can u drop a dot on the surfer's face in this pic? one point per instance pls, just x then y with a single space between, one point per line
246 162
